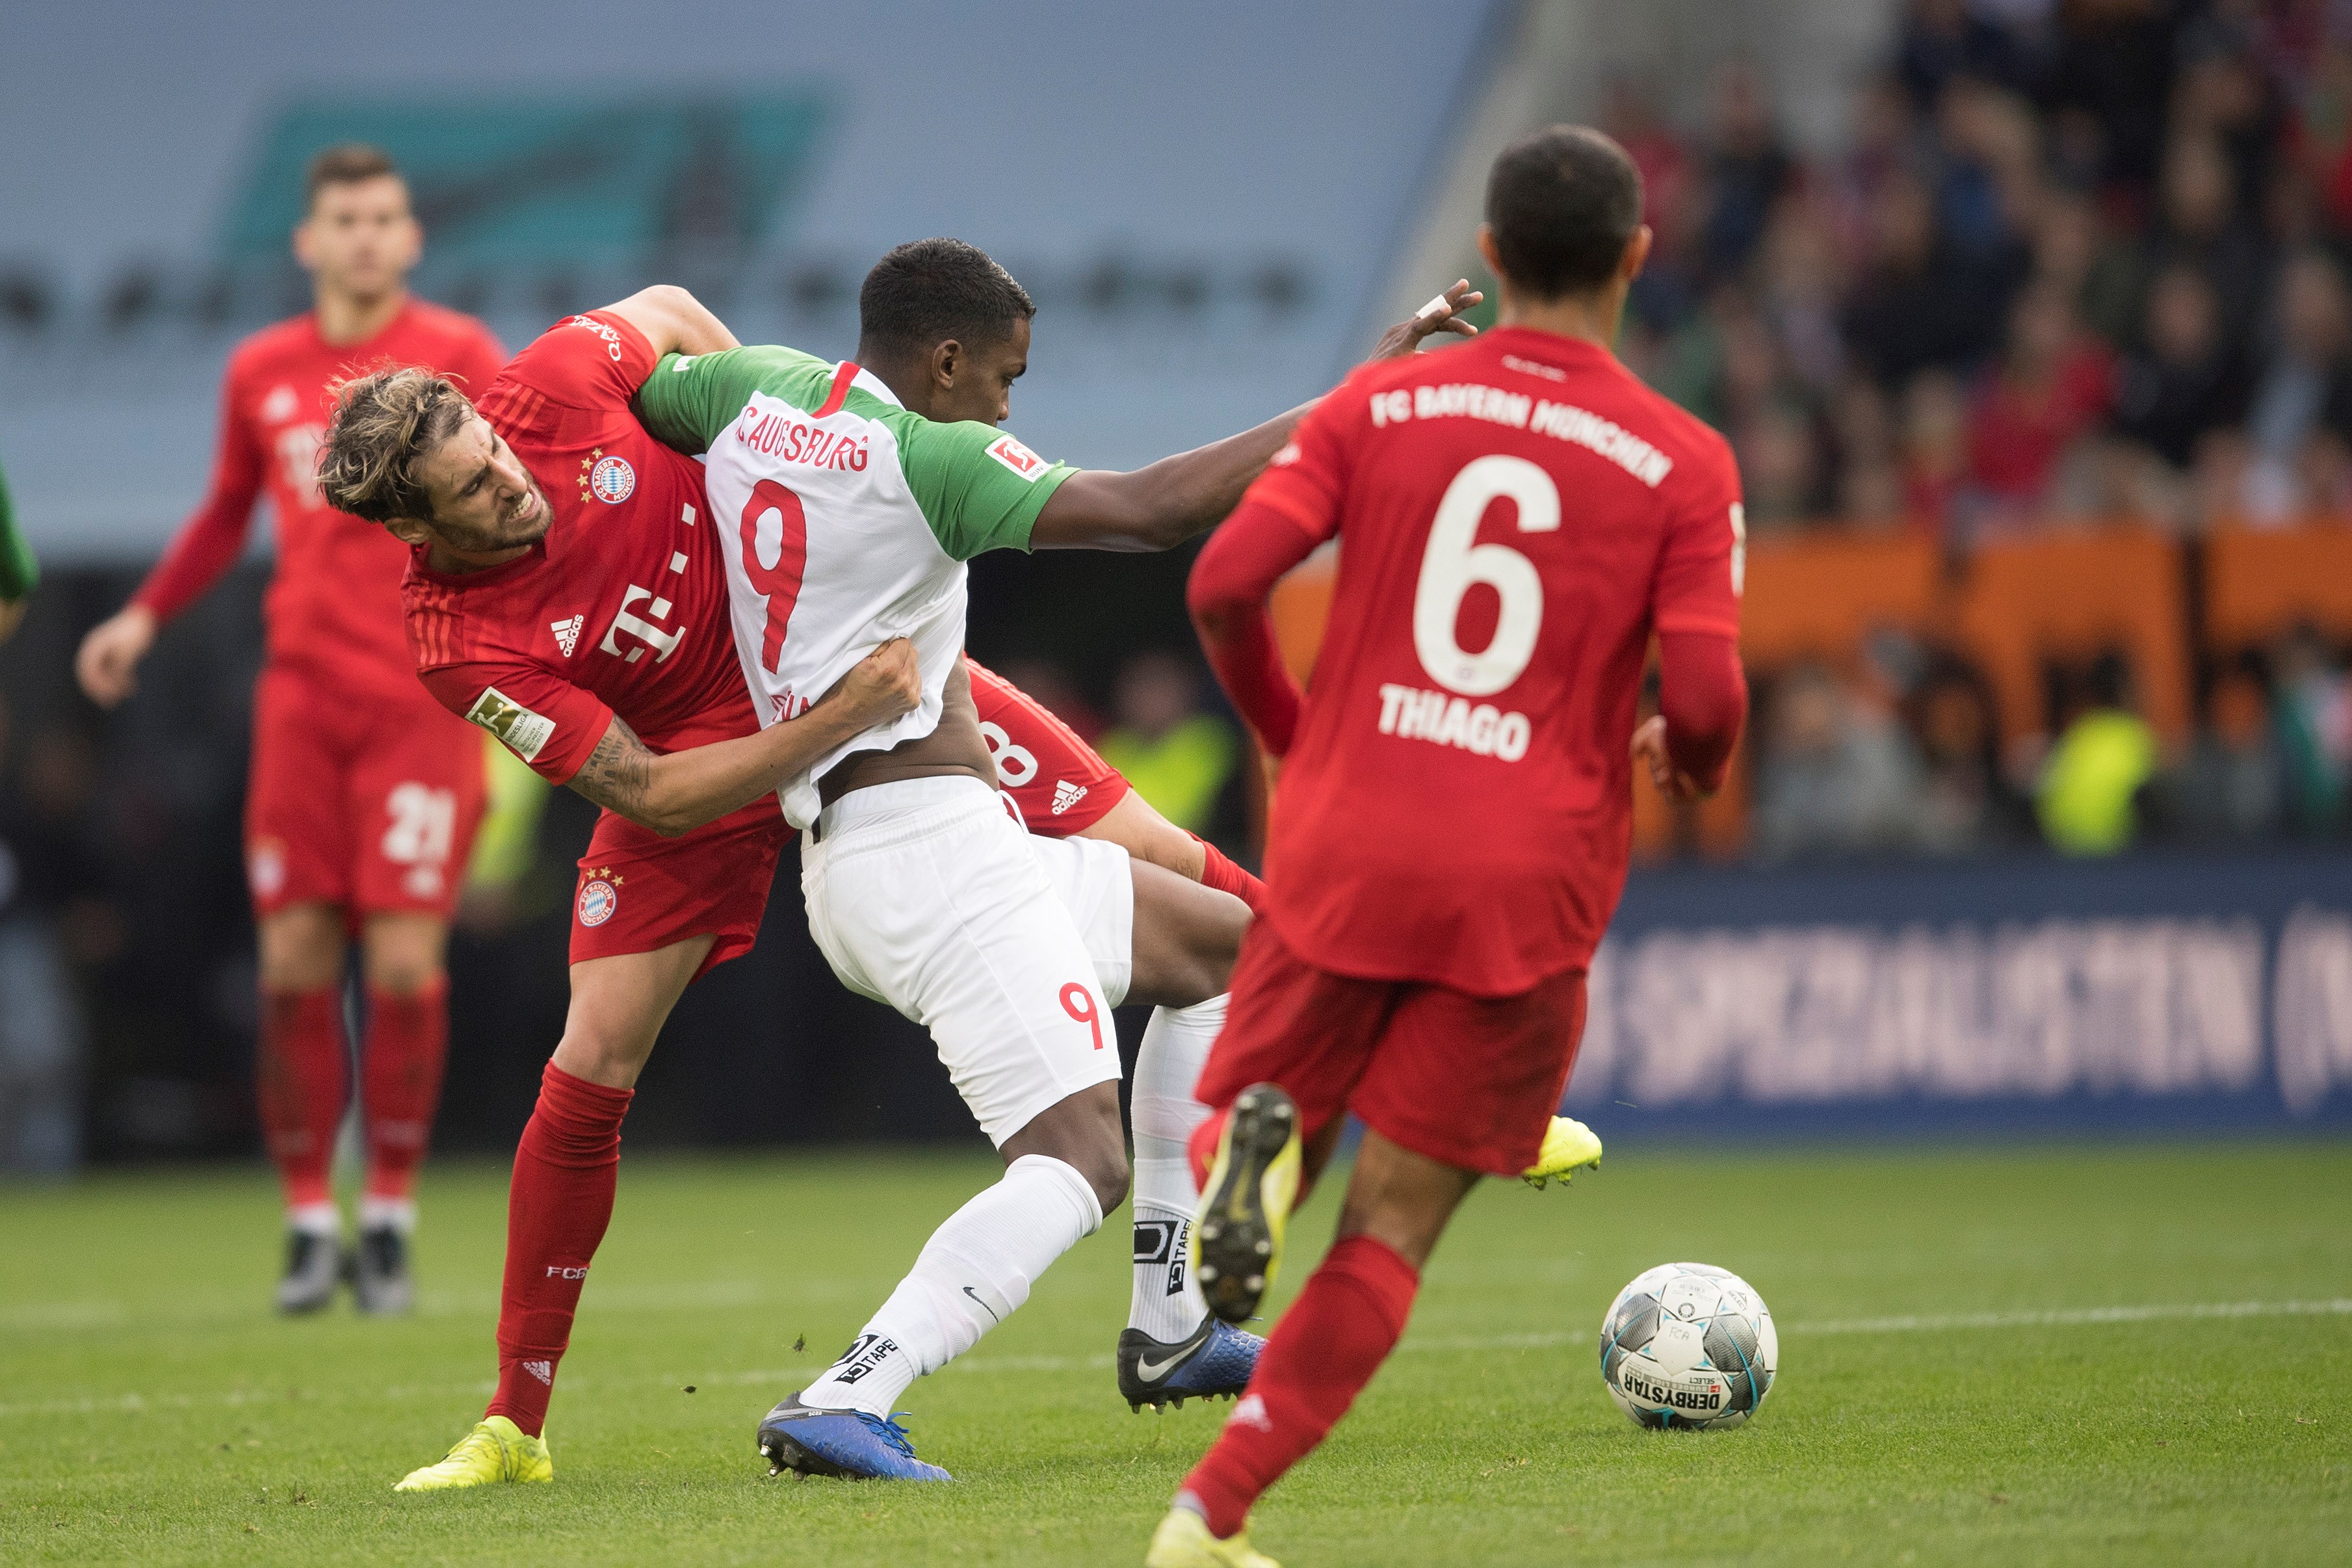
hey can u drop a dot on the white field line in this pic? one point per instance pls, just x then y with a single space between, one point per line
2062 1317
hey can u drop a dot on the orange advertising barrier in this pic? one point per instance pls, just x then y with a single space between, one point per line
1819 598
2259 583
2028 602
2014 609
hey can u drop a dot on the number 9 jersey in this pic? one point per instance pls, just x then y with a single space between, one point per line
1514 518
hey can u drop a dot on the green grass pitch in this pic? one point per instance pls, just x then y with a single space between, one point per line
2184 1394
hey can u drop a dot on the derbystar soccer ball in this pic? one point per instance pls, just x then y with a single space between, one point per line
1688 1345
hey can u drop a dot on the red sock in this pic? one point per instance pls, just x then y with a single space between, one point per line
1324 1350
565 1173
399 1083
1220 872
301 1079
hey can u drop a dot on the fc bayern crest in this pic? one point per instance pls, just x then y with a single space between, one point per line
613 480
597 901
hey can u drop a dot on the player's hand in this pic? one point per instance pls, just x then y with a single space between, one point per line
1443 314
886 683
12 615
1650 750
108 664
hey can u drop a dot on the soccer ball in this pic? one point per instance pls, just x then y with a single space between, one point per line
1688 1345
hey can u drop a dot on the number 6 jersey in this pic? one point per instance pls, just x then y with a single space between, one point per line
846 521
1514 516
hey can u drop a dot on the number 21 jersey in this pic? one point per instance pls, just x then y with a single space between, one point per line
1515 517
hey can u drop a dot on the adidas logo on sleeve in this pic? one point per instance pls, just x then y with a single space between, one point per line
567 633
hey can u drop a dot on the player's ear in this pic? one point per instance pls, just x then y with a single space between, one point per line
302 247
947 361
408 531
1637 253
1486 251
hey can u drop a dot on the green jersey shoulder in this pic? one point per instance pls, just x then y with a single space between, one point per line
977 488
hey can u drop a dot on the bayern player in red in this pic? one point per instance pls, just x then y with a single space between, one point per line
363 795
1516 517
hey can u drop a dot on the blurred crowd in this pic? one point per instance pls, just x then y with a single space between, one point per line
2074 260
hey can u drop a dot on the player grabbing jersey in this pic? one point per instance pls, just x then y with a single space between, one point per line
846 512
1516 518
364 793
564 595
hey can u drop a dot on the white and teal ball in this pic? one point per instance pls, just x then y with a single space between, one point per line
1688 1345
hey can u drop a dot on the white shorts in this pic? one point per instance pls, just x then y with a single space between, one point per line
1011 949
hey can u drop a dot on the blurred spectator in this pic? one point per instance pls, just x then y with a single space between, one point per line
2305 389
1962 806
2315 726
1177 757
2051 386
1934 449
2188 380
1919 305
1942 40
2201 226
1833 778
1746 167
2073 253
2110 82
2088 797
2229 788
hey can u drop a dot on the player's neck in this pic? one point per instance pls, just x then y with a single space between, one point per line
439 557
1591 317
347 319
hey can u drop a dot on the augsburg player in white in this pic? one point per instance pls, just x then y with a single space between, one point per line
848 518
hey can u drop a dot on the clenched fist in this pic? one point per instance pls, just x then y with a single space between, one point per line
886 683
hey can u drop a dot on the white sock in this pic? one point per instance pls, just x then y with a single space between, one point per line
1167 1304
972 1274
314 1219
399 1214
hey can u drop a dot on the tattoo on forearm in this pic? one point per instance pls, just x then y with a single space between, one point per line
618 773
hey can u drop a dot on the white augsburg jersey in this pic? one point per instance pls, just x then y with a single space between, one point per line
844 520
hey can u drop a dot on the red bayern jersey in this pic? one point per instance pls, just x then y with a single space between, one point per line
1060 785
621 608
333 606
1515 516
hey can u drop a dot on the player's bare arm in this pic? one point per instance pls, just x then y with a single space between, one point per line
1160 506
673 793
674 321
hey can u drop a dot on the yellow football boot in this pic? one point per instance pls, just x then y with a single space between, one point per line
1245 1208
1569 1146
1183 1541
496 1450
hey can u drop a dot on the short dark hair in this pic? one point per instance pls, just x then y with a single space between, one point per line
1562 202
346 164
929 290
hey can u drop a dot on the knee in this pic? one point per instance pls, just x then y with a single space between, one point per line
1109 1178
604 1057
402 974
301 948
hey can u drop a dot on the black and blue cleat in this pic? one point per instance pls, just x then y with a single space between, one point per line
850 1444
1214 1362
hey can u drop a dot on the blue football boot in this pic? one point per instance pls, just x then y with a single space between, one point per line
850 1444
1214 1362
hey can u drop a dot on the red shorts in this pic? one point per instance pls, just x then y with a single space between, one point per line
367 804
1470 1081
1062 787
639 892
